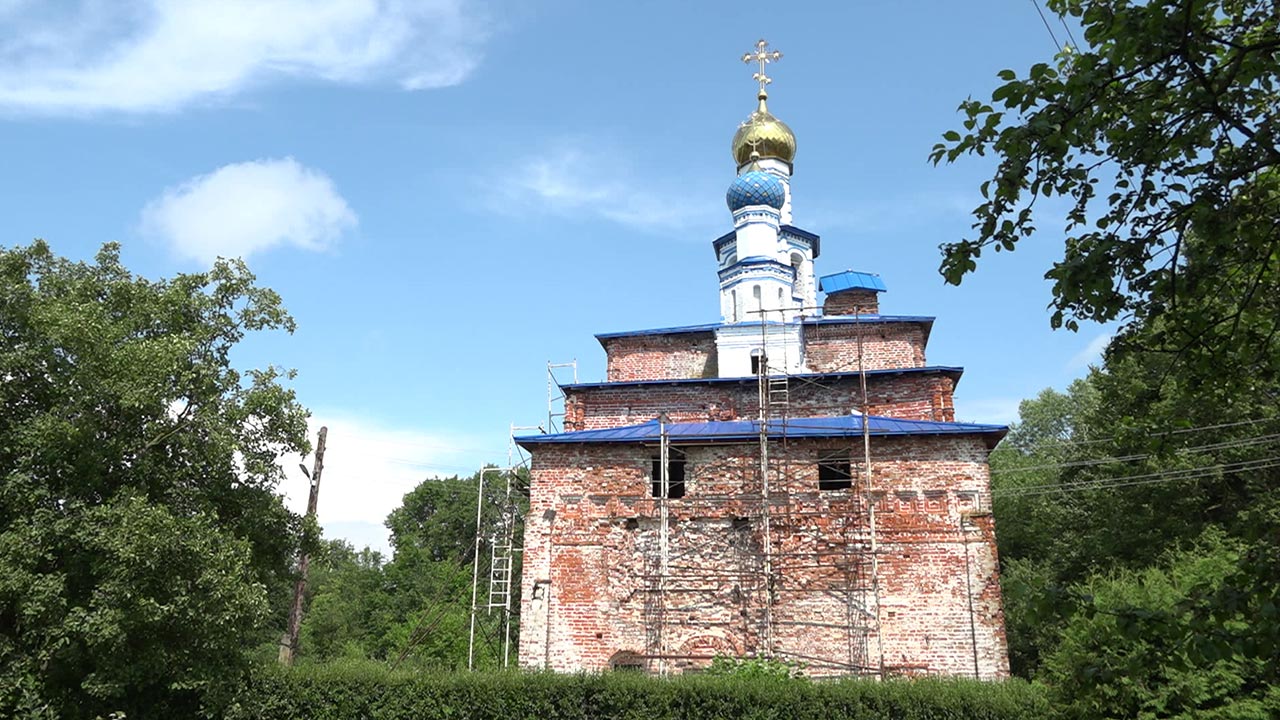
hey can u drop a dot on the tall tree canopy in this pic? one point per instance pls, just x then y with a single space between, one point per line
140 527
1139 535
1161 131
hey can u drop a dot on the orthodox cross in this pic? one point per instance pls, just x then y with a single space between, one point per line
762 56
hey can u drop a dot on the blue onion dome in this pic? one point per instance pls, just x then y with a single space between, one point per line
755 187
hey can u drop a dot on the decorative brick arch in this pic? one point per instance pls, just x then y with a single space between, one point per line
697 651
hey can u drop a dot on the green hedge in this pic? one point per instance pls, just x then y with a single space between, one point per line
344 692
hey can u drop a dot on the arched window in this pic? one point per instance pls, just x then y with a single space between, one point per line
733 300
797 261
626 660
756 302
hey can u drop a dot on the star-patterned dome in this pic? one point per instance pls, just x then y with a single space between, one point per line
755 187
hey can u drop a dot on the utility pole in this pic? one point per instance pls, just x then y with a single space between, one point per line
289 643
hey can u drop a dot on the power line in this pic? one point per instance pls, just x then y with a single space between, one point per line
1240 442
1143 479
1163 433
1070 36
1046 25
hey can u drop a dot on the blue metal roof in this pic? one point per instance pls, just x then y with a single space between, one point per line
850 280
941 369
853 320
748 430
706 327
817 320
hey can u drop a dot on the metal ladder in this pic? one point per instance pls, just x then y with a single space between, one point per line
501 564
779 394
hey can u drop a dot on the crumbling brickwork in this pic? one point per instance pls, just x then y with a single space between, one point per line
598 589
834 347
851 302
913 396
661 357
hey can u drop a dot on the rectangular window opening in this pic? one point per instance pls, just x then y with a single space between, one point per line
675 474
834 472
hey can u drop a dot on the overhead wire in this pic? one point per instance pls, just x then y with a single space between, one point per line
1240 442
1141 479
1046 24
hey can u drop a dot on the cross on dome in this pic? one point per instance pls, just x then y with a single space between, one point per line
762 56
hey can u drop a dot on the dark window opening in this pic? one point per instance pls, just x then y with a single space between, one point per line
757 361
626 661
675 474
834 472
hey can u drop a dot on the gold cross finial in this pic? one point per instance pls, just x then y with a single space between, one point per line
762 56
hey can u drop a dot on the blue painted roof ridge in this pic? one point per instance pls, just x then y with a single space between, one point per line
747 430
812 320
751 378
851 280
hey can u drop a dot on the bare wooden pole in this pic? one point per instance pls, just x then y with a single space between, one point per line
289 644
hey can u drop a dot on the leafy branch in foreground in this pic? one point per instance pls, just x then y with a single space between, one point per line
1161 134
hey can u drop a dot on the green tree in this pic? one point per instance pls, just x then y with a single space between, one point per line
140 528
1161 133
416 608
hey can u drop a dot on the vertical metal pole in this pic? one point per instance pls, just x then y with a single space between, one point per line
968 590
763 383
664 491
475 576
871 499
508 539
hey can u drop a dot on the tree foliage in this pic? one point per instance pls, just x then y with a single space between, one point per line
416 608
1139 547
1161 134
140 528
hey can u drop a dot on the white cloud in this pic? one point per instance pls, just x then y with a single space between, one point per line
1091 354
249 207
368 468
161 55
575 179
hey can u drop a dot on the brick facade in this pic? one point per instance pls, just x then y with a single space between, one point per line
913 396
595 590
661 357
834 347
852 302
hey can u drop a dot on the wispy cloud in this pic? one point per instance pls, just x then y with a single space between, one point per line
1090 355
368 468
586 180
895 211
248 207
995 410
162 55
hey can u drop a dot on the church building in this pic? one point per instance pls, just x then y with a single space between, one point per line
789 482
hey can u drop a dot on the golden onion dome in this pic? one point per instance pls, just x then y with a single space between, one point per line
765 134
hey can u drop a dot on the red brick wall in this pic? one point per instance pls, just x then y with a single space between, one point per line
661 357
850 302
595 584
915 396
834 348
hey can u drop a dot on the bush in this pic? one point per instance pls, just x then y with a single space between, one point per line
366 690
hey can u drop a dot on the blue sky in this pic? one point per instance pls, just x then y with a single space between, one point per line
450 193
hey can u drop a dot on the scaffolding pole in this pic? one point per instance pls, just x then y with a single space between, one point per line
762 382
664 458
555 393
871 498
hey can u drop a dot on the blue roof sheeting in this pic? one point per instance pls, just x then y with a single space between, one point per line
814 320
749 430
851 280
